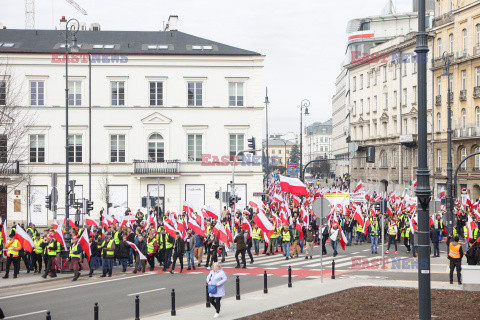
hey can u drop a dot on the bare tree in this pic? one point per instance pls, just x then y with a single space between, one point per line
104 190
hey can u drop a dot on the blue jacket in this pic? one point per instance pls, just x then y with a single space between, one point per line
198 241
217 278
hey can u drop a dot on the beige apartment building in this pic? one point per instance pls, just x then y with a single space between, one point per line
457 32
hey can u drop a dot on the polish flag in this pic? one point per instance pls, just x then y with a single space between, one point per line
343 239
58 235
85 244
106 220
299 228
255 204
229 234
24 238
442 193
415 183
181 229
470 227
90 222
71 223
169 229
278 198
212 213
262 222
358 187
140 254
187 208
220 232
389 209
4 236
246 226
365 227
192 224
358 217
276 219
432 222
55 224
293 185
296 200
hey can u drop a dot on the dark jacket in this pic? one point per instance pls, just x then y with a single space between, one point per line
179 246
198 241
240 241
309 236
164 238
434 235
95 252
473 254
190 243
460 251
142 246
123 250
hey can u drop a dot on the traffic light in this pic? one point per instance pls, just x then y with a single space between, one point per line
48 202
371 154
89 206
251 144
237 198
217 194
231 201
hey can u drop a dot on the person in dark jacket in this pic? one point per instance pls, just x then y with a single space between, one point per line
434 236
212 247
472 253
325 236
95 258
250 245
189 247
241 247
309 240
123 251
178 251
108 252
142 247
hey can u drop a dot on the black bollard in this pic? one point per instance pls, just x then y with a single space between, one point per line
137 308
49 317
265 289
289 276
207 296
238 287
333 269
174 312
95 311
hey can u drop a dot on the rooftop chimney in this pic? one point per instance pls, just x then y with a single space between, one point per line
172 24
63 23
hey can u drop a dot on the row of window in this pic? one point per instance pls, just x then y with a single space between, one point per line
462 153
463 119
410 59
464 44
409 127
195 93
155 143
384 159
366 108
463 80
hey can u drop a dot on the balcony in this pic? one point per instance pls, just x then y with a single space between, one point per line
438 100
476 50
476 92
443 19
9 168
148 167
466 132
462 54
438 170
463 95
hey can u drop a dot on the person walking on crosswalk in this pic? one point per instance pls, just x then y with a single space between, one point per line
286 239
309 238
392 235
374 231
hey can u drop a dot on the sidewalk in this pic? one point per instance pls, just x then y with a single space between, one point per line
256 302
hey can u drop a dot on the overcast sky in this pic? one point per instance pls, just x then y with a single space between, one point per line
304 40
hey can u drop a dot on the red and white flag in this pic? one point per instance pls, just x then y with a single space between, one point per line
256 204
299 229
343 239
55 224
169 229
220 232
358 217
85 244
365 227
58 235
192 224
293 185
25 240
4 235
106 220
211 212
262 222
90 222
140 254
415 183
358 187
71 223
246 226
186 207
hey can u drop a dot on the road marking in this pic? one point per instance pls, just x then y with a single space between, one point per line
74 286
134 294
25 314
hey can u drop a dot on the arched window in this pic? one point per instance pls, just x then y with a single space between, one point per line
477 116
464 40
439 121
439 46
478 34
464 118
156 150
477 159
463 154
384 159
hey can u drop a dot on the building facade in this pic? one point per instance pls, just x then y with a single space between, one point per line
279 151
318 141
169 113
340 125
457 34
383 114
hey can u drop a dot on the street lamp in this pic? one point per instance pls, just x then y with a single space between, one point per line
267 102
448 198
303 105
71 29
423 191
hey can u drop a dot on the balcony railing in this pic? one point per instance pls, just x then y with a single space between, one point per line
463 95
9 168
442 19
462 54
438 170
476 92
476 49
152 167
438 100
466 132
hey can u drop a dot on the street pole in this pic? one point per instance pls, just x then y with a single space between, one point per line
303 105
267 102
73 30
321 239
89 126
449 199
423 191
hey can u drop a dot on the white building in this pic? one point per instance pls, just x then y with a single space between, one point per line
161 102
318 141
340 124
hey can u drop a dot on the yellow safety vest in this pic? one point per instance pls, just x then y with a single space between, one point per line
407 232
391 230
13 247
110 254
454 251
374 231
286 236
150 246
359 227
37 246
74 248
51 251
116 238
256 234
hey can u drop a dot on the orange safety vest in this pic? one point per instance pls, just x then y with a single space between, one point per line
454 251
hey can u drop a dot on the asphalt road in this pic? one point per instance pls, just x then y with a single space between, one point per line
116 296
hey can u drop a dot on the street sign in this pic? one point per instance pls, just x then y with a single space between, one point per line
321 207
434 206
258 194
